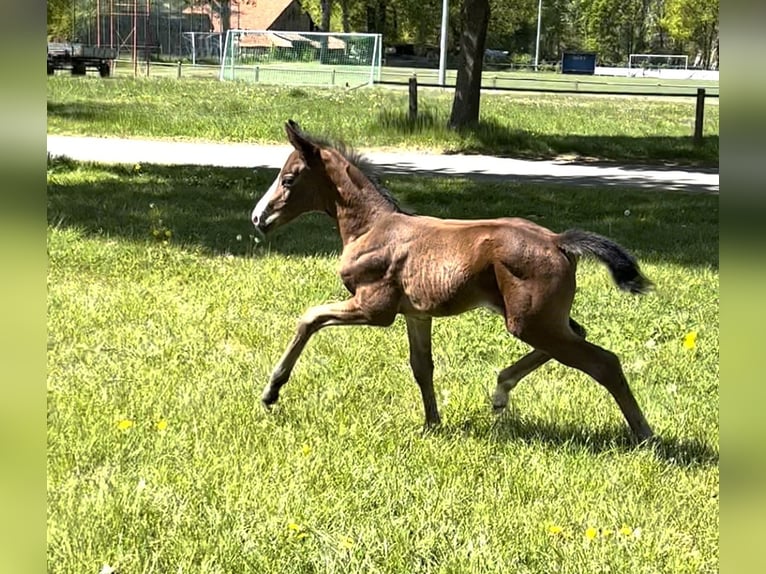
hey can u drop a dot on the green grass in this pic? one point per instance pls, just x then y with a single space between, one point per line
536 126
277 72
184 327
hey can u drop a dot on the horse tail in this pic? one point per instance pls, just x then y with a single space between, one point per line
622 265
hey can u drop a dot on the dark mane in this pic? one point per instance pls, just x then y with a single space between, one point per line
360 162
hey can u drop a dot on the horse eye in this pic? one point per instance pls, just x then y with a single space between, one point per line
287 180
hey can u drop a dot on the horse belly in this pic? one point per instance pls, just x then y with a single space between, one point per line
447 289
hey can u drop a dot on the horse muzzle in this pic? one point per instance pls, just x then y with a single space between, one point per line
263 220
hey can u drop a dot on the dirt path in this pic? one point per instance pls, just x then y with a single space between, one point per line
115 150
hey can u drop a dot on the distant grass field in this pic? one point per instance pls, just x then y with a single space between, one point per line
165 318
535 126
337 75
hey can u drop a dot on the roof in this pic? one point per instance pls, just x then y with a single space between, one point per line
257 14
263 41
246 14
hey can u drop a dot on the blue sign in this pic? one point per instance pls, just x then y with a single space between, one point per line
578 63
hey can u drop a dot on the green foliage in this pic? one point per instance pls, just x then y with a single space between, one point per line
612 28
60 19
510 25
685 18
695 21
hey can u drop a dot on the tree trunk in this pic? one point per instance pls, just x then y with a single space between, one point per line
324 54
224 8
376 16
465 106
326 6
345 16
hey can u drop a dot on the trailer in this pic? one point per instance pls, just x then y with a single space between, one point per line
79 57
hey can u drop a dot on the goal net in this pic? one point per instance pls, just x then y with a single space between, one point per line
301 58
658 61
203 47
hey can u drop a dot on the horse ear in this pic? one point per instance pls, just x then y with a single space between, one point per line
300 142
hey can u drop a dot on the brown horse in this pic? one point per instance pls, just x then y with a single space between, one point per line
424 267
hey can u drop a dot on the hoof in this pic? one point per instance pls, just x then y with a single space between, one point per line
266 406
269 397
499 404
499 400
646 438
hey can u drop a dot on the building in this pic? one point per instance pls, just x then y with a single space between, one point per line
257 15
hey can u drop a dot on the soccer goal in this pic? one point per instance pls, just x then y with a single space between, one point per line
301 58
201 46
658 61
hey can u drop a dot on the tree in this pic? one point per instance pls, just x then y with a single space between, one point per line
326 7
695 21
60 21
345 15
220 7
465 105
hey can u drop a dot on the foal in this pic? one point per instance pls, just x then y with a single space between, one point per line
424 267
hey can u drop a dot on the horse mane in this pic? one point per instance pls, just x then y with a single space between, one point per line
359 161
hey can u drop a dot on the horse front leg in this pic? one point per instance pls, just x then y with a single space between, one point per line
421 361
344 313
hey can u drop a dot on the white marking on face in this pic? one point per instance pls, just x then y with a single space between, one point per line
260 208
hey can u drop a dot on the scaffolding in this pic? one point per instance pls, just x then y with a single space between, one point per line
141 30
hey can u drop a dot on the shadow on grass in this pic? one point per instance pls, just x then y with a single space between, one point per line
674 450
491 137
91 112
209 208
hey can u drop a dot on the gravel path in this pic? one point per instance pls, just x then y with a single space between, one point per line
115 150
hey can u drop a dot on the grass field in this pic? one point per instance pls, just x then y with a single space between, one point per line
328 75
165 318
624 129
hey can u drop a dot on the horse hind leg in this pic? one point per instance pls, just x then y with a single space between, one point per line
570 349
508 378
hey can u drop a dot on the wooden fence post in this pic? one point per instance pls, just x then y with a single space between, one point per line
699 116
413 98
178 75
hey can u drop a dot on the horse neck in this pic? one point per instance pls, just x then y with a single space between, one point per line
359 204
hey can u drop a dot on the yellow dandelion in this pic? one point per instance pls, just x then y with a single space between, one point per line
591 533
555 529
626 530
124 424
346 542
137 167
168 233
690 340
305 450
296 531
162 425
606 532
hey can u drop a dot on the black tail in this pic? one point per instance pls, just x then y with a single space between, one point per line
622 264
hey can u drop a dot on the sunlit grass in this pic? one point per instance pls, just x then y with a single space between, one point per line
160 458
519 125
